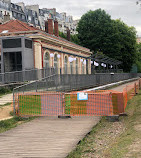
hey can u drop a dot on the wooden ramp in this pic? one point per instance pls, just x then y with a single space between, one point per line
45 137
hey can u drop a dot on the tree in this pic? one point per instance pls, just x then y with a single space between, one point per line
138 57
125 44
61 34
98 32
74 38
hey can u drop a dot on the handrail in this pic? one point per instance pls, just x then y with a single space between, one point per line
33 82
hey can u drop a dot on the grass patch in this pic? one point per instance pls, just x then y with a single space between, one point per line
113 140
29 104
13 122
121 146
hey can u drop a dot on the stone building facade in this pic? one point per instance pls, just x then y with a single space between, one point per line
37 49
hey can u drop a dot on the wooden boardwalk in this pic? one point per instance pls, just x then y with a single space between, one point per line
45 137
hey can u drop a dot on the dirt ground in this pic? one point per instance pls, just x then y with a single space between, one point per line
5 111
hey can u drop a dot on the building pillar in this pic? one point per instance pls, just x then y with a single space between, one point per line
74 67
79 66
89 66
38 54
69 71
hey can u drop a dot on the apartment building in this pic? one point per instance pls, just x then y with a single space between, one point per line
35 16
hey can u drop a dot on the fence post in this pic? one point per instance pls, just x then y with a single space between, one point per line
139 83
14 102
135 88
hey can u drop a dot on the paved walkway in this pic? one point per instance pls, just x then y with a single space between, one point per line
5 110
6 99
46 137
121 87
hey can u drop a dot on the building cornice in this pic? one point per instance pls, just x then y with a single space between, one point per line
60 43
45 36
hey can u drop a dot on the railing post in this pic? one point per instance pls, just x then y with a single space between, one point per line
3 78
36 86
23 75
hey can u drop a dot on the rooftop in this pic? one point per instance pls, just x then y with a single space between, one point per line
15 26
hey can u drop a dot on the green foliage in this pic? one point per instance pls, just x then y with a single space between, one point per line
98 32
7 123
13 122
125 44
74 38
5 91
63 35
134 68
138 57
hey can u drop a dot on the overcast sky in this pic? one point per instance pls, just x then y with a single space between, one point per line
126 10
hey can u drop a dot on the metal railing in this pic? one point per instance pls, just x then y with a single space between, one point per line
107 71
26 75
69 82
37 74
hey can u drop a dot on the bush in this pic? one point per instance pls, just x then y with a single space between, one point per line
4 90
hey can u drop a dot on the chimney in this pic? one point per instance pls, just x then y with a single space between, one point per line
56 28
6 17
50 26
68 34
46 26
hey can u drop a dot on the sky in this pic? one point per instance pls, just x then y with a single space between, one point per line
126 10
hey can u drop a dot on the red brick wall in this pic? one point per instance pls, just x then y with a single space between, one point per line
50 26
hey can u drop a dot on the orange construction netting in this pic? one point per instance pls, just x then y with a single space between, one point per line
77 103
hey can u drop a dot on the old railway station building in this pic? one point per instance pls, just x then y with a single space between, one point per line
24 47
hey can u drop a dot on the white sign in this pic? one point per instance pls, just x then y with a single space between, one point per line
82 96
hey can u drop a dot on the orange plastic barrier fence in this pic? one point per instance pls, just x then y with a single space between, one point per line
78 103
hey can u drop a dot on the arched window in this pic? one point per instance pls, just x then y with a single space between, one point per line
55 63
46 60
66 64
76 66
